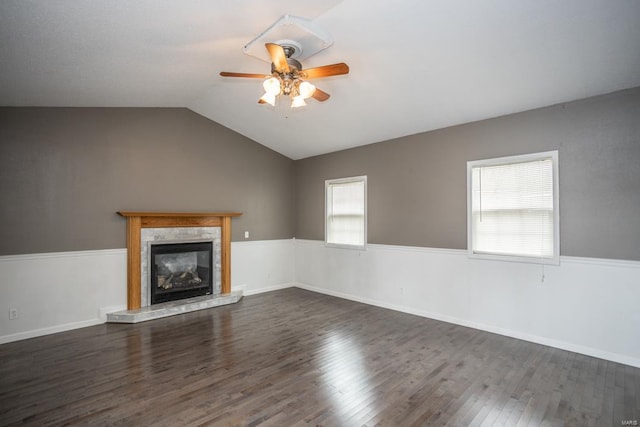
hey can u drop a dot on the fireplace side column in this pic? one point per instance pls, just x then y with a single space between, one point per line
225 259
133 262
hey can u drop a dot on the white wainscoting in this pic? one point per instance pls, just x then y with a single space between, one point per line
590 306
262 266
55 292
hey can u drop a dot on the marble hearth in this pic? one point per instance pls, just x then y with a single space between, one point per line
172 308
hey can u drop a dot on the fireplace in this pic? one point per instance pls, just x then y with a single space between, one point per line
179 255
138 223
180 270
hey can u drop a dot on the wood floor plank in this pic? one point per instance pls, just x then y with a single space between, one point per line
298 358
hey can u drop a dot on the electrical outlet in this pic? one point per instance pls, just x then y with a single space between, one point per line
246 234
13 313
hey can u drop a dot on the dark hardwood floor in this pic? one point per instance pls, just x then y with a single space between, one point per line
294 357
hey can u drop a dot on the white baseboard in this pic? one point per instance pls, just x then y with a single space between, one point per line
51 330
614 357
269 289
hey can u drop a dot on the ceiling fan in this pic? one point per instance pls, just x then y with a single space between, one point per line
289 78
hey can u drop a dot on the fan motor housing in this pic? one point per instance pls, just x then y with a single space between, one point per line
293 64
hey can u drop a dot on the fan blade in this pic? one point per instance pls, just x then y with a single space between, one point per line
325 71
278 57
249 75
320 95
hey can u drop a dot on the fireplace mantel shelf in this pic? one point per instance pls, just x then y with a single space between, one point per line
136 220
177 214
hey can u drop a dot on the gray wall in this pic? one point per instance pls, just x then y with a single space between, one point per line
66 171
417 184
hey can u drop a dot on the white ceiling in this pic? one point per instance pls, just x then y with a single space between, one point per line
416 65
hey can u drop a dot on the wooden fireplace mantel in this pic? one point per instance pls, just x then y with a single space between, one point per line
139 220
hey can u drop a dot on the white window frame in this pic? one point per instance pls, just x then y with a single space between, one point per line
327 184
555 258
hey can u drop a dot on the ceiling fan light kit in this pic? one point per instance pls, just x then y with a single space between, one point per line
288 78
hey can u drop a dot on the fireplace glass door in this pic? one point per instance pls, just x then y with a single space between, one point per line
181 270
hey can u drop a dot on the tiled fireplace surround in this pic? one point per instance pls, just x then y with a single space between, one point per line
151 236
146 228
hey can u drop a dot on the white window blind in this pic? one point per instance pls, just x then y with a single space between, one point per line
346 212
513 208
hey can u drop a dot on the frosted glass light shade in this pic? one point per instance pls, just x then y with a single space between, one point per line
271 86
306 90
298 101
269 98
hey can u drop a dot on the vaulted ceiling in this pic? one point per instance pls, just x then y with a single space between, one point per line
416 65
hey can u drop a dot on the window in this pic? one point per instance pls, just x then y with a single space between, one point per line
512 208
346 212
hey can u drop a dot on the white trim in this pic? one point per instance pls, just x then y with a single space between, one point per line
614 357
297 241
509 160
259 242
70 254
263 265
327 183
624 263
461 252
269 289
50 330
345 246
102 252
261 275
260 266
620 263
549 305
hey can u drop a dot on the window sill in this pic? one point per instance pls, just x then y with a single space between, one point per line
515 258
345 246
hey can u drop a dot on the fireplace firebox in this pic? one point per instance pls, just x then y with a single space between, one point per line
180 270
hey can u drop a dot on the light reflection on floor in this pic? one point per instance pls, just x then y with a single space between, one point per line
345 374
